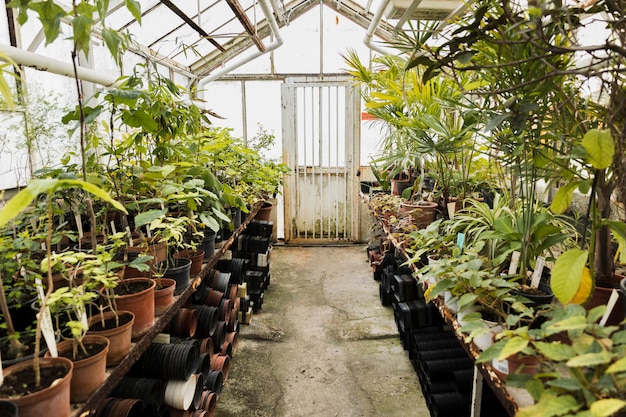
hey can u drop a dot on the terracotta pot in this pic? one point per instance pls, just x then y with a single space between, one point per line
265 211
51 401
601 296
221 363
119 337
196 257
158 251
89 373
164 297
140 303
423 213
522 364
184 323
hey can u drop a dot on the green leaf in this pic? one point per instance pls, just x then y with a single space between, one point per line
221 215
93 189
134 8
590 359
514 345
554 351
209 222
600 148
149 216
618 366
563 197
567 274
113 41
50 15
606 407
567 324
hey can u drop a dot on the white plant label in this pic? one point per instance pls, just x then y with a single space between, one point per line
46 321
541 262
79 225
148 231
130 236
609 307
451 209
502 366
113 227
514 262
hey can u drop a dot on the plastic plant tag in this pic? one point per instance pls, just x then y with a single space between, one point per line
609 307
502 366
451 209
460 241
130 236
46 321
514 262
79 225
534 282
148 231
113 227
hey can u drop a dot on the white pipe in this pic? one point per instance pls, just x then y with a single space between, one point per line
44 63
378 16
233 65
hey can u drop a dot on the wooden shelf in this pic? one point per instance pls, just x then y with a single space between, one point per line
511 398
116 374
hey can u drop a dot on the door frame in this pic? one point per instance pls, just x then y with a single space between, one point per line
353 151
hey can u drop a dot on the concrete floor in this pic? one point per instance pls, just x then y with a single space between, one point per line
322 345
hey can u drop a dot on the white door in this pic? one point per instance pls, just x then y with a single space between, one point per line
321 126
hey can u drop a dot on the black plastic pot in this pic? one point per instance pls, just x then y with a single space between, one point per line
221 281
207 320
178 271
8 409
214 381
208 244
219 336
150 390
168 361
537 300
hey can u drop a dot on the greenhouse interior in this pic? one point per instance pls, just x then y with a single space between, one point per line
433 189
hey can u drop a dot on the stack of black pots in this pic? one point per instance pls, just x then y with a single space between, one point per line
253 246
443 366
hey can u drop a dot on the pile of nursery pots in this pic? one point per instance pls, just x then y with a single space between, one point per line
443 366
183 371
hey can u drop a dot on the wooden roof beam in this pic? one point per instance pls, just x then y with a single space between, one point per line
192 24
243 18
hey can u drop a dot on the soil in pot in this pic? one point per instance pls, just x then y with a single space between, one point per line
137 296
50 398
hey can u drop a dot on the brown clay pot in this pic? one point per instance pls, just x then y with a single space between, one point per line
89 373
185 322
214 298
140 303
233 339
196 256
164 297
158 251
264 211
423 213
523 364
119 337
221 362
51 401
